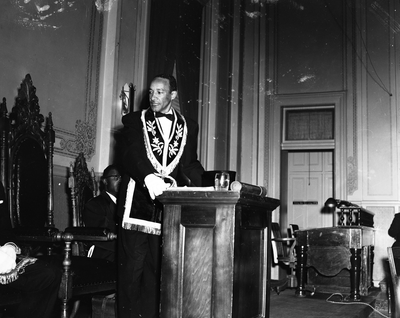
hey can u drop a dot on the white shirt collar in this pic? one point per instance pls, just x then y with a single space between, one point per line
165 124
112 197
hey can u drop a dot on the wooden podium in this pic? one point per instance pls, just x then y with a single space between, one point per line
216 251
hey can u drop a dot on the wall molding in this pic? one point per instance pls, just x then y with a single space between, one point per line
83 139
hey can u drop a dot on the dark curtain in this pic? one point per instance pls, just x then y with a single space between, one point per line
162 40
188 56
175 35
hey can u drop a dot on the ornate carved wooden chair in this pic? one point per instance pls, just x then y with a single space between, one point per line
86 276
26 171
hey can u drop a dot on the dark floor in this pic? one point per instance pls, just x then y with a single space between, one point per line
287 305
84 311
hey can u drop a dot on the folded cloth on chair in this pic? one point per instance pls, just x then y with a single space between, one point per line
8 257
13 275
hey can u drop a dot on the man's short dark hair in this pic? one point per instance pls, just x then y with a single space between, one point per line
171 79
107 170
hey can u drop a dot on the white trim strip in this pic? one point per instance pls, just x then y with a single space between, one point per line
128 199
141 222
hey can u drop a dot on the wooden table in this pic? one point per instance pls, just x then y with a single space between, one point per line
330 250
215 259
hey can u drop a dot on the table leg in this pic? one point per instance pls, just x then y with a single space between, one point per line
355 273
301 270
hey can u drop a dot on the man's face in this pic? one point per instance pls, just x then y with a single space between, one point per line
112 181
160 95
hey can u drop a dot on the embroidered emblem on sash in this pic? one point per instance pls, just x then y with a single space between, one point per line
163 154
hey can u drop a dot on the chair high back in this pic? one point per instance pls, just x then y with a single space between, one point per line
29 162
26 160
292 230
83 187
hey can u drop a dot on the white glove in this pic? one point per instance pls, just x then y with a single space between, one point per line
155 185
8 256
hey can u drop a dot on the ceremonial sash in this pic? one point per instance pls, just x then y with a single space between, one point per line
164 155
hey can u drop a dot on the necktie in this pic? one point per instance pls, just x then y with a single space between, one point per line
169 116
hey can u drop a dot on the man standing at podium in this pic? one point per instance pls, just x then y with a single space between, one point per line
160 152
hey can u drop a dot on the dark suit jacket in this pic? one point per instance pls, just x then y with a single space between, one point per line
394 230
137 166
101 212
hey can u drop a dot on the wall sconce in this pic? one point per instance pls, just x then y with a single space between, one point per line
127 97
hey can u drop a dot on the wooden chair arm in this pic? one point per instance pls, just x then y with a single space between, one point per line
28 234
90 234
69 236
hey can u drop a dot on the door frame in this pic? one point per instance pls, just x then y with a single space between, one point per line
278 160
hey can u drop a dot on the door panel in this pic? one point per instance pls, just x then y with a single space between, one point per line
327 218
310 183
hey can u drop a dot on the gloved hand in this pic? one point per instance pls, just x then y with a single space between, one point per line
155 185
8 256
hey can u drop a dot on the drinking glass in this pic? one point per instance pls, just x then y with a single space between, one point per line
221 182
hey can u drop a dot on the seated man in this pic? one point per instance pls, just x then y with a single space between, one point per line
40 281
101 212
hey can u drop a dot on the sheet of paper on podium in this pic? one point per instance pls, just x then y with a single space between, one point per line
191 189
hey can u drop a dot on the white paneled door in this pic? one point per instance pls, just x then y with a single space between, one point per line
310 184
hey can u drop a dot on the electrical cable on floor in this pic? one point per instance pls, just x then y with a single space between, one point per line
345 301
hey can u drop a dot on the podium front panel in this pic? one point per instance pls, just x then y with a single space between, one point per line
215 261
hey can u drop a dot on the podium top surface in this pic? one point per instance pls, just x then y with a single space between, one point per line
199 196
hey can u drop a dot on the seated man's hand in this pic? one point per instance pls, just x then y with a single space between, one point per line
155 185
